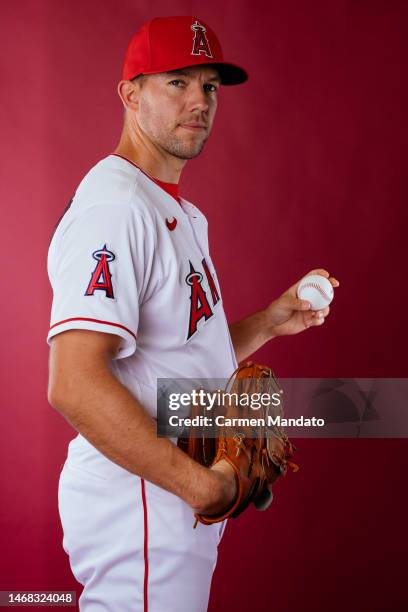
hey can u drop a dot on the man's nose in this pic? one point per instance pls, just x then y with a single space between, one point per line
197 97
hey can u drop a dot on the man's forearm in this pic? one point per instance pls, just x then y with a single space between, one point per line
105 412
250 334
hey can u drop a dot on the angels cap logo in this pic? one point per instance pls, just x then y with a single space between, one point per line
200 42
101 276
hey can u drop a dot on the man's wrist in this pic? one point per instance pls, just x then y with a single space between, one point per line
267 329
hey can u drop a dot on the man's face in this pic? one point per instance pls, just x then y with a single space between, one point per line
176 109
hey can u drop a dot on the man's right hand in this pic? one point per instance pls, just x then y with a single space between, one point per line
219 491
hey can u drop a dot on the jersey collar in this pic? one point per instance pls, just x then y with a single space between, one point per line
170 188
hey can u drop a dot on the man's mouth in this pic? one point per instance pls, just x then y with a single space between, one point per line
194 126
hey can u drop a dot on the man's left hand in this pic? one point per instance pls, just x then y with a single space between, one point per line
290 315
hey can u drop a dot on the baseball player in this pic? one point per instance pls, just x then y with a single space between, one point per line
136 297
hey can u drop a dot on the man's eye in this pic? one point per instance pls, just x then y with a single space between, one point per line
210 88
177 82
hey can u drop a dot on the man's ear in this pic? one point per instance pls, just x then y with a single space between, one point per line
129 93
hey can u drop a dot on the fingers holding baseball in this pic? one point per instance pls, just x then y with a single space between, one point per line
316 317
303 305
317 288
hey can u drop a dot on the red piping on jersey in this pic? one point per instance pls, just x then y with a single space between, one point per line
94 321
145 547
170 188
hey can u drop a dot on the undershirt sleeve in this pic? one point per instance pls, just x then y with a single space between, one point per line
99 270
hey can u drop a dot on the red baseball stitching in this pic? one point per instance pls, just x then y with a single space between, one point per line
319 289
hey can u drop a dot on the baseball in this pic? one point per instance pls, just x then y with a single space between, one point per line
317 290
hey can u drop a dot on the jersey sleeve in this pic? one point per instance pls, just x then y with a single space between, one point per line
99 269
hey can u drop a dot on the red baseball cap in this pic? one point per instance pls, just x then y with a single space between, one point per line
169 43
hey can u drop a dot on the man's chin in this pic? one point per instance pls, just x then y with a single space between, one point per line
191 155
186 152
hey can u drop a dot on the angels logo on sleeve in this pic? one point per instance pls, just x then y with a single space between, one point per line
101 277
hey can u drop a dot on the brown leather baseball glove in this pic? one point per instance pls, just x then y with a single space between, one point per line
257 453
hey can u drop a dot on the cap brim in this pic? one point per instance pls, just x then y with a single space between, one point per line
231 74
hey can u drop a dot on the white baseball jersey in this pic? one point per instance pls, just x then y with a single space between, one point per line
128 258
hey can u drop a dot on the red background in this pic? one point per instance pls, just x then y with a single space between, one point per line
306 167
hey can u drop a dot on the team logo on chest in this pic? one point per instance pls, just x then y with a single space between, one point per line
200 41
101 277
171 225
200 306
